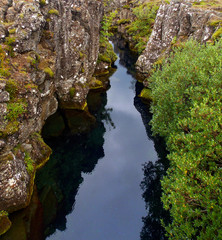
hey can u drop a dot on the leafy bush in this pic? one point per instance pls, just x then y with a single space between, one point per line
141 27
106 25
187 103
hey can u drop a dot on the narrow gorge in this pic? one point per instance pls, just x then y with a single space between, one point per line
70 105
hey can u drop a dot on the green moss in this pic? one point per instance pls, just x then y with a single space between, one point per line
48 34
126 6
215 23
42 3
72 92
30 164
49 72
12 31
10 41
96 84
123 21
11 87
104 58
159 61
53 12
5 223
31 86
146 94
21 15
217 34
207 4
15 110
106 53
32 61
81 55
11 128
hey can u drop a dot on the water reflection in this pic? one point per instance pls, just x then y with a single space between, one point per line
153 173
59 180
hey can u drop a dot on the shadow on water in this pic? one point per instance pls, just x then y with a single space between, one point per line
60 179
153 173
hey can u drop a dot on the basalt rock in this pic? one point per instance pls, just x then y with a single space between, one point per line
176 22
48 54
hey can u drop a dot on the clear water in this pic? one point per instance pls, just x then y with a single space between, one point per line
109 202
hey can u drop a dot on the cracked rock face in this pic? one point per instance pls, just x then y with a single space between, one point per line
14 181
51 50
177 20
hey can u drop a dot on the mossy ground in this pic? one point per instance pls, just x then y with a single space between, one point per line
208 4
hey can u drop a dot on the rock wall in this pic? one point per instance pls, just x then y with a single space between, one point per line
48 54
176 22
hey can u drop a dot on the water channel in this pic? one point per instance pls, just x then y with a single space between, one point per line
91 187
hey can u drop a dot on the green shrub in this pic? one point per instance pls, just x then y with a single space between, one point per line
141 28
187 103
106 25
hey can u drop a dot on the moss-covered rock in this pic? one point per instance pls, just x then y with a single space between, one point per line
146 95
5 223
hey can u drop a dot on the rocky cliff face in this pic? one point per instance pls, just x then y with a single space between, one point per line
48 54
176 22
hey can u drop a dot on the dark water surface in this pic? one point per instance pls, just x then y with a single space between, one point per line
109 202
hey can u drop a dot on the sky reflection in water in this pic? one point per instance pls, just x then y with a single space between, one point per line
109 203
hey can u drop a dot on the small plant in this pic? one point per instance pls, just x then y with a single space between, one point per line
106 24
